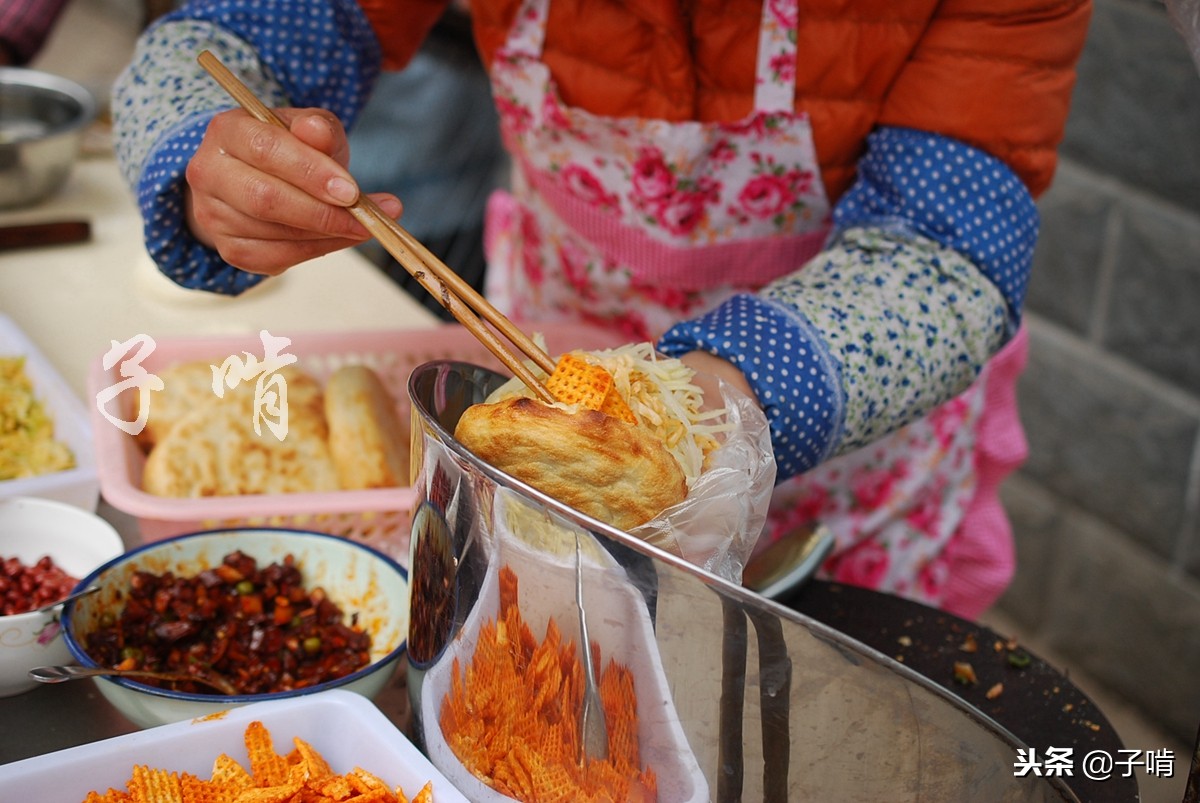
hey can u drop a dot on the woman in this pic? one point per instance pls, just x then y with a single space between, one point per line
830 204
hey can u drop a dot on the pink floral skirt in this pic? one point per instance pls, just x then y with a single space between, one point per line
918 513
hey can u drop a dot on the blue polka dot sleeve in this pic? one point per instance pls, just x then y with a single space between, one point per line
921 283
289 52
793 374
953 194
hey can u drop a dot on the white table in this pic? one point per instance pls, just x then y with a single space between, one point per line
73 300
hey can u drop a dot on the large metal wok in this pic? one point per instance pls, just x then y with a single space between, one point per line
743 699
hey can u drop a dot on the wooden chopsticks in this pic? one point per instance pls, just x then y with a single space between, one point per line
451 291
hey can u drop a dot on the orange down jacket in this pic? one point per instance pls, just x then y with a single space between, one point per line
996 74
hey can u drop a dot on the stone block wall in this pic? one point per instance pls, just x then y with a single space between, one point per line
1106 511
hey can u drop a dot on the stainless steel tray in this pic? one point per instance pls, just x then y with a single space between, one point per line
771 705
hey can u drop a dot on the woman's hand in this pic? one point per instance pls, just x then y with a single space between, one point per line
709 368
267 199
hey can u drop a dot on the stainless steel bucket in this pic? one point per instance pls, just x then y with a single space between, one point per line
738 697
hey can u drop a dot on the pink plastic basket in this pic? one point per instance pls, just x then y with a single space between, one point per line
379 517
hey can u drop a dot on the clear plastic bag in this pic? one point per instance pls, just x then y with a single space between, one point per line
718 524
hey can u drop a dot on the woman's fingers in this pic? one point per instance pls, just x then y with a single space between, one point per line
270 174
267 198
261 246
320 130
709 368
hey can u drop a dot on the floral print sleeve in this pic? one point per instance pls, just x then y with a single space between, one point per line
163 101
922 281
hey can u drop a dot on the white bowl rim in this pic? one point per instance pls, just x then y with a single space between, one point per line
58 504
80 655
69 509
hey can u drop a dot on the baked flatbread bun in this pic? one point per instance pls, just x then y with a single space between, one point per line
189 385
616 472
368 442
214 451
186 386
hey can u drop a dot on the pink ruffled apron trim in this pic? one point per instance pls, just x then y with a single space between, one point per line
750 262
981 557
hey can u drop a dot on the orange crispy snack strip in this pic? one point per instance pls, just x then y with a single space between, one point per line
615 405
512 716
198 790
576 381
302 776
336 787
149 785
365 782
268 767
230 774
268 794
314 763
374 796
111 796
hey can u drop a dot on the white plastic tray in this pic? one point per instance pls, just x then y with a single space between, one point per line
346 728
79 486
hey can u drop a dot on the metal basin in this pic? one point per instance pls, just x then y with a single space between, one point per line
42 120
739 698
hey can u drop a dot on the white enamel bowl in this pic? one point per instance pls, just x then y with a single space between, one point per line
360 579
77 541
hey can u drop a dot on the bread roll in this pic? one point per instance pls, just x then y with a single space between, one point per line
188 386
616 472
367 439
213 450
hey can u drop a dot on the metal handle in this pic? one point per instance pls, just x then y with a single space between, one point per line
58 674
591 724
68 598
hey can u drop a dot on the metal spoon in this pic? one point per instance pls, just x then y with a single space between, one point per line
83 592
591 719
58 674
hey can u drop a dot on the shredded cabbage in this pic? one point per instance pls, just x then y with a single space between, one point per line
27 444
663 396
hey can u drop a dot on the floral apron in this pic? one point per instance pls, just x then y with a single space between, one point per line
632 224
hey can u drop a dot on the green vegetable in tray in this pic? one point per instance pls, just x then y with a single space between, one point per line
27 444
